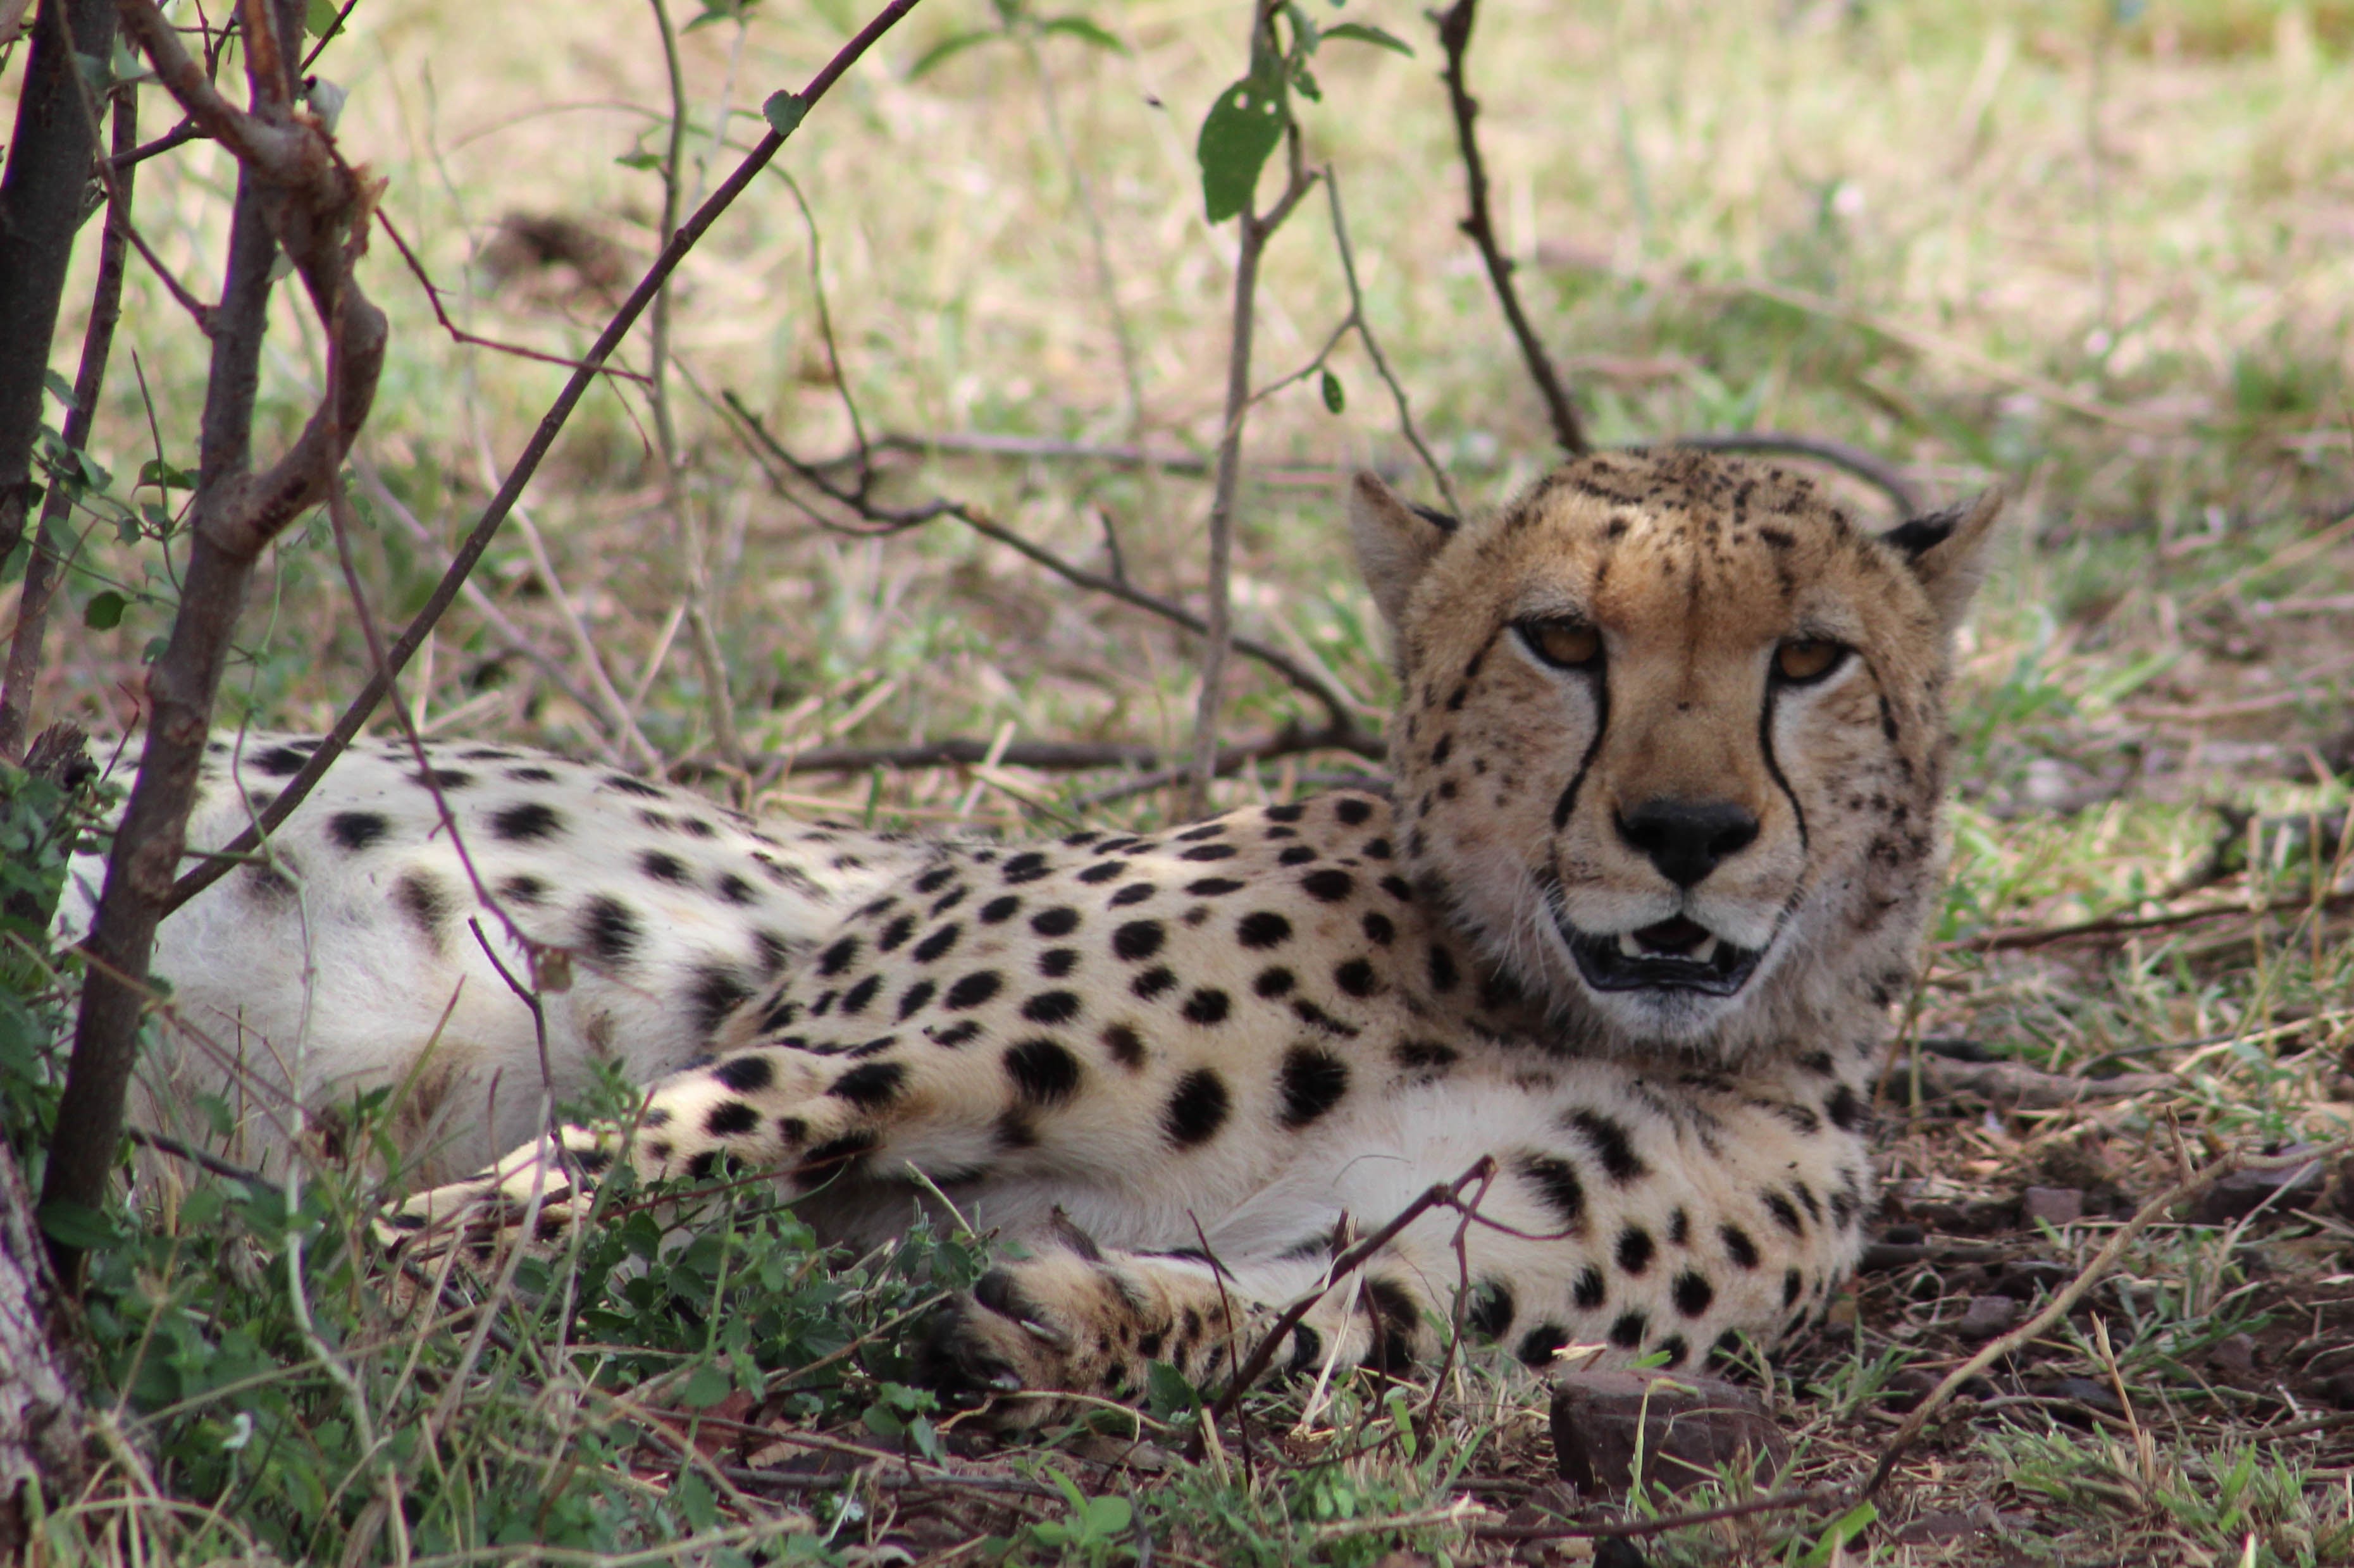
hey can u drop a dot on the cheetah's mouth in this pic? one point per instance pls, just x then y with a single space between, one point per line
1677 954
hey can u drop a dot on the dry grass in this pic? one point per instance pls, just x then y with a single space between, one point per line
2100 258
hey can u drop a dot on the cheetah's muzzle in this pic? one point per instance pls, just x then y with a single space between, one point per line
1676 954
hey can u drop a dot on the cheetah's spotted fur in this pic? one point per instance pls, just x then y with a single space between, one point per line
1664 828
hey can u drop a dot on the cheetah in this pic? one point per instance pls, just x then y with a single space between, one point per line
1662 831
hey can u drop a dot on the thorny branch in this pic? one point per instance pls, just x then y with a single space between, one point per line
528 464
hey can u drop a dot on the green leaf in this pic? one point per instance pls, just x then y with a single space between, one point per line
319 15
1107 1516
1168 1392
1366 33
784 112
1841 1530
947 48
705 1386
1334 398
1085 31
1241 130
77 1227
59 387
640 159
104 611
163 476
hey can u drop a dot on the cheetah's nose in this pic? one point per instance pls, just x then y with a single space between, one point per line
1687 838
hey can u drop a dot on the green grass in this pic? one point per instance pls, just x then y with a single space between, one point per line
2091 252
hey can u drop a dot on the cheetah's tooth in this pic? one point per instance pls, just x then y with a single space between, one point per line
1628 946
1705 952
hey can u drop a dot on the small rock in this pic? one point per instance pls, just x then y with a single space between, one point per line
2234 1355
2024 1279
2053 1206
2079 1391
1689 1426
1986 1317
2241 1193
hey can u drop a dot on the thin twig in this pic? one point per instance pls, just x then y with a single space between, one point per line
1455 38
694 561
1340 721
355 713
2124 925
1258 229
460 334
1373 347
1442 1194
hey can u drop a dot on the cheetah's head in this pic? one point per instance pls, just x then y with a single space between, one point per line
1671 741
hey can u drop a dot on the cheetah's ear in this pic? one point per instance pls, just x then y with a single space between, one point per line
1395 541
1947 552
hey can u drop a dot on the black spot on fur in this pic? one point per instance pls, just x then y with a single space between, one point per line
730 1119
1423 1055
1154 982
1356 976
912 1000
1197 1109
1693 1294
1489 1312
525 889
939 942
870 1085
1263 928
838 957
356 830
1103 871
1328 885
1738 1246
1206 1006
1312 1082
1635 1249
629 786
1051 1007
999 909
278 762
855 1000
1613 1145
1273 982
1134 892
1626 1333
1127 1046
1059 921
1443 974
1537 1346
1558 1185
1026 867
1590 1289
972 990
663 867
1842 1109
850 1150
1794 1284
716 993
426 900
1297 854
1290 813
610 930
1043 1072
1138 939
745 1074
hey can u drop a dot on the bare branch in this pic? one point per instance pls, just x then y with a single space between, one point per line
1455 38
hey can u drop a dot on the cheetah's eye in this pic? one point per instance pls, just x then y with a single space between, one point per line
1805 660
1564 644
